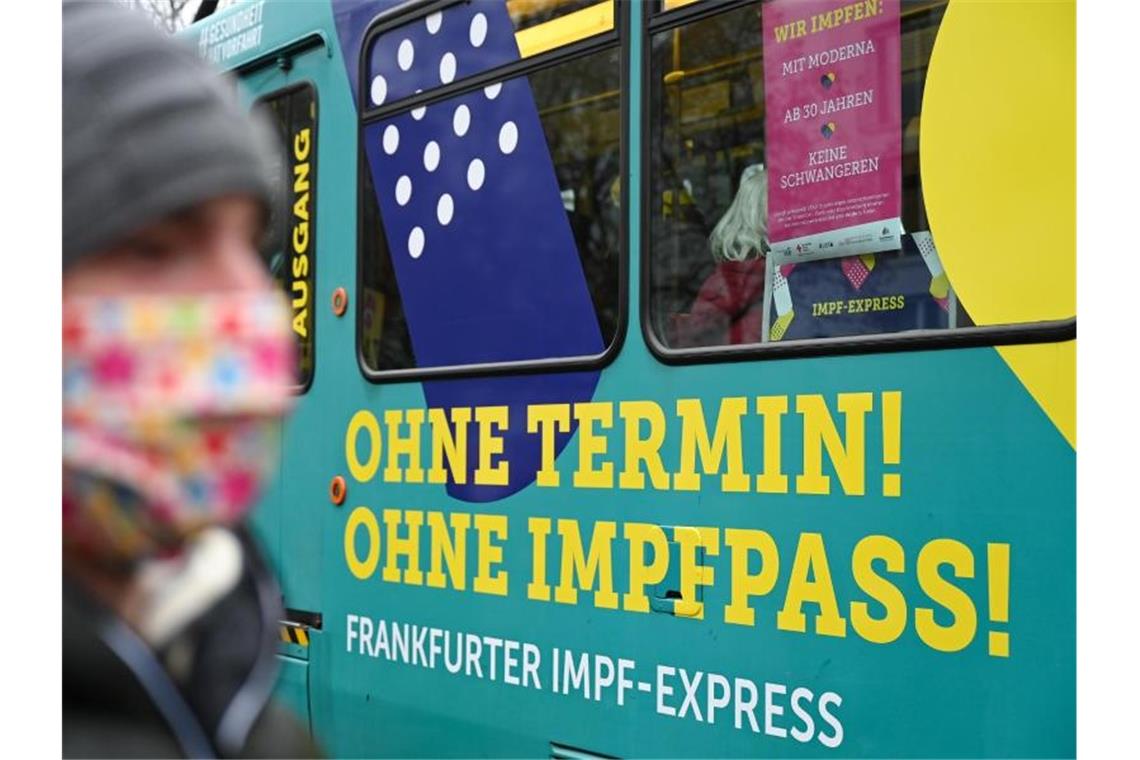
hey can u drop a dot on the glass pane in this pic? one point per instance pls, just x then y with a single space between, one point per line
543 25
492 222
672 5
290 247
859 295
716 277
469 38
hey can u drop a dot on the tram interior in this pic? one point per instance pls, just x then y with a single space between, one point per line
706 126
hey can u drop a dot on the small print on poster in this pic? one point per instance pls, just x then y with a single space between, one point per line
833 127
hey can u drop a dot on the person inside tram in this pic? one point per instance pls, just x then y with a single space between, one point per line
177 364
728 307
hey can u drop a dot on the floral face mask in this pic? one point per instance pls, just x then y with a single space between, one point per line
171 415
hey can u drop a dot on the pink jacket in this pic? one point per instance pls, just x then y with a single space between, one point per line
728 308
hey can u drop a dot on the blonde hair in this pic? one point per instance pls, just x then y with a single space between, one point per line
742 233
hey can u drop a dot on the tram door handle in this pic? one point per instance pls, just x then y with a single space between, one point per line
566 752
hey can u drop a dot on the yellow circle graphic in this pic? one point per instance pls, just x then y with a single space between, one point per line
998 152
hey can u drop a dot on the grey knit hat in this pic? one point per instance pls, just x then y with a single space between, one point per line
148 129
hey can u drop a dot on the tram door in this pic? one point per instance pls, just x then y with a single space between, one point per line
284 86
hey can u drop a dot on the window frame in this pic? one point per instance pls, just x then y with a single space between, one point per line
618 37
302 388
654 22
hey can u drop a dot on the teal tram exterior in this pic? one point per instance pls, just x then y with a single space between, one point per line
598 454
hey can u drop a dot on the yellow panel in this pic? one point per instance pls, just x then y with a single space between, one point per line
1049 373
563 30
520 9
998 153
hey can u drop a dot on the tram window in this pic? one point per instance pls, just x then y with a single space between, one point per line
491 223
543 25
664 6
449 45
714 277
289 249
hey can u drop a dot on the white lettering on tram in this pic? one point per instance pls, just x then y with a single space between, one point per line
484 657
232 35
777 710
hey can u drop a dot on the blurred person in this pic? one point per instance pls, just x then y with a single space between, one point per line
177 363
728 308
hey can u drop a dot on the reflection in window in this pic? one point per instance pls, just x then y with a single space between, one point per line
491 222
713 278
546 24
672 5
290 247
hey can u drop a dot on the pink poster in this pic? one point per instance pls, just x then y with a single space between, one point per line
833 127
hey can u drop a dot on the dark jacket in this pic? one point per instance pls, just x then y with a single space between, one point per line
121 699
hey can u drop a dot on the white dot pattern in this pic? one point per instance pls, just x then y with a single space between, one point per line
431 156
403 190
379 90
475 174
447 68
391 139
405 55
416 242
402 136
445 209
461 120
508 137
478 30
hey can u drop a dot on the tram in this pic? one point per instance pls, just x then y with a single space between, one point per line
675 378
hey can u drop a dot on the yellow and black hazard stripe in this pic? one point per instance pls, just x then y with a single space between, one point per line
292 633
